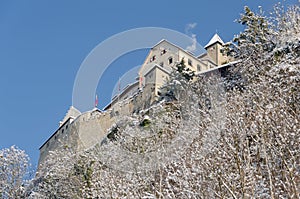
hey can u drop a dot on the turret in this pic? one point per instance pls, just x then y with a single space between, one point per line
71 113
213 49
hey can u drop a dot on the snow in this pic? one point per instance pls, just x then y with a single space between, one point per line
215 39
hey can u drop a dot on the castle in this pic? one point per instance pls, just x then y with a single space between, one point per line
89 128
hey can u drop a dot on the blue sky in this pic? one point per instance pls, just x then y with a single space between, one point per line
43 43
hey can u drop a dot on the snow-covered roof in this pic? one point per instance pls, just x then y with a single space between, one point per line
174 45
166 69
218 67
215 39
159 43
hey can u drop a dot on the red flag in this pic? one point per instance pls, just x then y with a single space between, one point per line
96 101
141 81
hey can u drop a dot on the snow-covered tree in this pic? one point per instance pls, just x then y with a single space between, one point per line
208 141
179 79
261 140
14 172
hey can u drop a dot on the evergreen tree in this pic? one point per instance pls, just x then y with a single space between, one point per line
179 80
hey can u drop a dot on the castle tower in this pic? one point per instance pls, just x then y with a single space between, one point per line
213 49
71 113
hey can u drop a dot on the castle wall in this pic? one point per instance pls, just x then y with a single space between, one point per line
214 52
160 79
82 133
141 100
60 136
162 53
91 128
189 60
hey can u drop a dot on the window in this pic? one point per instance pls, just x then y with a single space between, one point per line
189 62
198 67
163 52
111 114
170 60
62 131
67 127
152 58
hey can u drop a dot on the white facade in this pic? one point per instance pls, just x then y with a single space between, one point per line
163 58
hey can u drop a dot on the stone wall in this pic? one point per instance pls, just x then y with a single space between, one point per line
91 127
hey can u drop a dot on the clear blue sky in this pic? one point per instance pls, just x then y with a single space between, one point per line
43 43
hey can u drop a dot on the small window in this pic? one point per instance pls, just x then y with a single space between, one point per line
111 114
198 67
170 60
189 62
62 131
154 58
67 127
163 52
